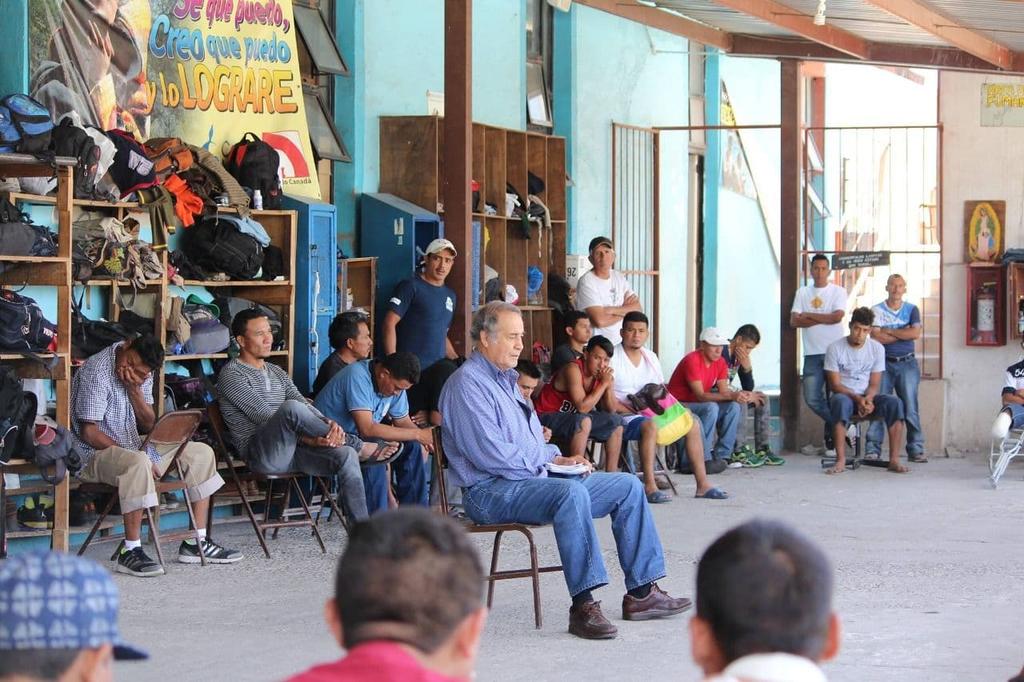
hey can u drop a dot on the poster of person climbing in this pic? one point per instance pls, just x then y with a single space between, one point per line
206 71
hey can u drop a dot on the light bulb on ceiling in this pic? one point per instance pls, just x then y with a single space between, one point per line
647 3
819 16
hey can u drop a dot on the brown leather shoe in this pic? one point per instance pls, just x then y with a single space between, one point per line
657 604
587 621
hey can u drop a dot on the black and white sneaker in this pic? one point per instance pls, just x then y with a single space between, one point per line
136 562
188 553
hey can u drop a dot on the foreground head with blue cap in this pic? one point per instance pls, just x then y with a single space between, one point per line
58 619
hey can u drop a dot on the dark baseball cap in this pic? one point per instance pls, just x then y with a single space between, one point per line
598 241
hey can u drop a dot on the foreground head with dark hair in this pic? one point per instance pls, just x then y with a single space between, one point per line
149 350
402 366
749 332
787 610
347 326
862 315
240 322
408 599
601 342
528 380
635 316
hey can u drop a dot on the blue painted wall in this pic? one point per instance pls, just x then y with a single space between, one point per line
395 51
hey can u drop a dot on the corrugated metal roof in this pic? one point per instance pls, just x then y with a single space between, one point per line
998 20
867 21
710 13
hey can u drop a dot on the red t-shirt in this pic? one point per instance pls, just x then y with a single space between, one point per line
552 400
373 662
693 367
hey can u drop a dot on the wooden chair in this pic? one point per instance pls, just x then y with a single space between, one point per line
175 428
499 529
239 472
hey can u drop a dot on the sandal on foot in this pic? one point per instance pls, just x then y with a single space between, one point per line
658 497
714 494
918 458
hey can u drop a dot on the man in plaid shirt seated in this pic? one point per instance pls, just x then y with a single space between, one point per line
111 405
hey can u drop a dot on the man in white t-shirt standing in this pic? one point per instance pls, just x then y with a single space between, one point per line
854 367
818 309
604 293
634 368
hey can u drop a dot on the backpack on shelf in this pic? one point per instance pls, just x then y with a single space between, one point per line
217 245
132 170
25 125
23 326
19 236
255 165
169 156
70 140
232 305
11 399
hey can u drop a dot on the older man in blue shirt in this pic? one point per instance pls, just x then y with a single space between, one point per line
497 453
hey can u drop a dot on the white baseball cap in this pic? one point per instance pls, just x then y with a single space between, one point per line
439 245
713 336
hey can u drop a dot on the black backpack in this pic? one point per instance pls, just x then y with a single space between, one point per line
22 325
20 237
11 400
70 140
216 245
254 164
232 305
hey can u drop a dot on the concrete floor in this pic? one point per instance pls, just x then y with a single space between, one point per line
930 586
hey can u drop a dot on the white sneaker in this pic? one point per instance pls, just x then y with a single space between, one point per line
851 432
811 450
1001 426
831 453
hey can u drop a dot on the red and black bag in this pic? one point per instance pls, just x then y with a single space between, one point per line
254 163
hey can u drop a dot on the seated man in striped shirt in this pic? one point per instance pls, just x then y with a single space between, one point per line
111 404
274 428
497 454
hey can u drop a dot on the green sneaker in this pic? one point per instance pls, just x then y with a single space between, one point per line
748 458
770 458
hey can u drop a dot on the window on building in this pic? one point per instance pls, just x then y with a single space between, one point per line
538 65
318 39
324 137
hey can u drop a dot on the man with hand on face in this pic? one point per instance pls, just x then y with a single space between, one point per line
854 367
579 404
360 397
604 293
272 425
497 454
111 405
419 314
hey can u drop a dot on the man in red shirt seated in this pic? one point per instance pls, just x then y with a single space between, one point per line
579 404
719 410
428 630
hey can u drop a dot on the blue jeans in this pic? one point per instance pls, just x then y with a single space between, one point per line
722 418
1016 414
814 392
905 377
570 504
411 480
888 409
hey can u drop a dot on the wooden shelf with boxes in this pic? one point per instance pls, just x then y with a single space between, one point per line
411 167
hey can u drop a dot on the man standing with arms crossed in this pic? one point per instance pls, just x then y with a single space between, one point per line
897 326
818 309
604 293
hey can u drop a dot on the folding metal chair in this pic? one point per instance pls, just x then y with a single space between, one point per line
175 428
1002 452
499 529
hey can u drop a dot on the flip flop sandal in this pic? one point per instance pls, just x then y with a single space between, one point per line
714 494
658 497
372 460
919 458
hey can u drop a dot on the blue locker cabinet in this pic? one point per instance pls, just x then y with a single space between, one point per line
397 233
316 294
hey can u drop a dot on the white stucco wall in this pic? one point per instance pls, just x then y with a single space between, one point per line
977 163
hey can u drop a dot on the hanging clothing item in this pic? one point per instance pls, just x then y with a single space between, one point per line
187 205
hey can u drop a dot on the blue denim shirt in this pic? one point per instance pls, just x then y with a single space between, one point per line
489 430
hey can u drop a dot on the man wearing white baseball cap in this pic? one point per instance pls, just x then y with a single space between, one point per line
701 382
420 311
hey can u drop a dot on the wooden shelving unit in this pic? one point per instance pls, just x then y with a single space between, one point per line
54 271
358 276
411 167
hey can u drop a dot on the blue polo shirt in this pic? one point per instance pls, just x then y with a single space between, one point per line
426 312
907 316
352 389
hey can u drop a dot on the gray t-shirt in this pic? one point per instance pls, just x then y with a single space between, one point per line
855 365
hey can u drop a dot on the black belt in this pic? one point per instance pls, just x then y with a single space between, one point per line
902 358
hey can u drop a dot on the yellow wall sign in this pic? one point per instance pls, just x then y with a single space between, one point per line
1002 104
206 71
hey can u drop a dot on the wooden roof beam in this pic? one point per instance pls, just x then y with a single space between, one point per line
927 19
790 19
663 21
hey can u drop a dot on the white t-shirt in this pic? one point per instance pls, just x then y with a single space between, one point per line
855 365
591 291
629 378
810 299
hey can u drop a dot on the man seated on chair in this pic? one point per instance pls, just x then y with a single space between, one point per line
111 405
349 335
497 454
359 398
578 333
427 631
274 428
578 404
853 369
528 381
635 366
701 383
775 629
737 360
1011 415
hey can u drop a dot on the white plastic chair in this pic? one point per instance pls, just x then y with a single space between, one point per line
1002 452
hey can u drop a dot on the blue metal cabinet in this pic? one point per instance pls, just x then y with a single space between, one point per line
316 297
397 233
